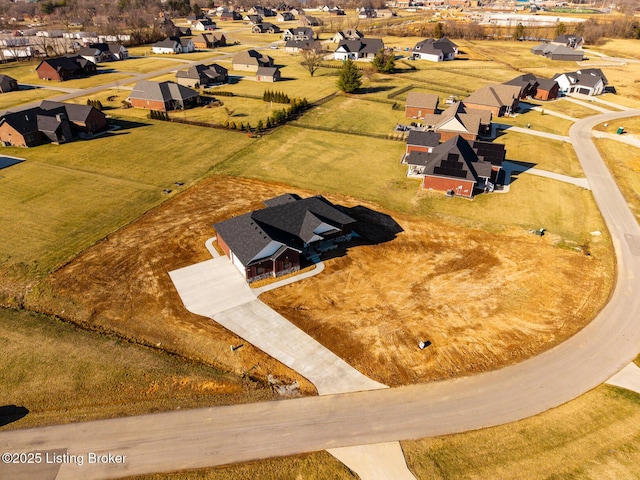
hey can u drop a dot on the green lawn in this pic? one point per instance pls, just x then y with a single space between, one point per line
355 113
551 155
345 164
98 376
86 189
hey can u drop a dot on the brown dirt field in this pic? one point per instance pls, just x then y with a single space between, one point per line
484 300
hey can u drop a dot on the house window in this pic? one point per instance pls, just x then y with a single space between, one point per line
287 263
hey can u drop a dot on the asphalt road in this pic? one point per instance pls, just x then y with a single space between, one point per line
239 433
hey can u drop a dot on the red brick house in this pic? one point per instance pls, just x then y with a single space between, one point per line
460 120
536 87
272 241
459 166
65 68
500 100
163 96
51 122
420 104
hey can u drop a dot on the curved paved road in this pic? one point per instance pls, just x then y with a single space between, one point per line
217 436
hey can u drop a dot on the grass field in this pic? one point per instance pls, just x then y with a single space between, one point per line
11 99
78 199
100 376
380 178
538 121
624 163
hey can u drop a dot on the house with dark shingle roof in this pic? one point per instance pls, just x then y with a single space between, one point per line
202 75
298 46
536 87
555 51
65 68
268 74
418 104
50 122
8 84
435 50
265 27
348 34
459 166
363 48
272 241
163 96
209 40
298 33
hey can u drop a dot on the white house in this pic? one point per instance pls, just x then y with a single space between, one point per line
167 46
589 81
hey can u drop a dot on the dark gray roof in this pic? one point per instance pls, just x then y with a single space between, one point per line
268 71
363 45
287 219
75 112
423 139
167 43
458 158
162 91
431 45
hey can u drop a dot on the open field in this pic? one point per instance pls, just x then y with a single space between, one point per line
354 114
368 314
623 162
555 156
616 47
538 121
569 108
99 376
11 99
77 200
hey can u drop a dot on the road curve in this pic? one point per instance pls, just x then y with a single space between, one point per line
239 433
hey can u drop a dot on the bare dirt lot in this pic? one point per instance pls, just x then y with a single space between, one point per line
484 300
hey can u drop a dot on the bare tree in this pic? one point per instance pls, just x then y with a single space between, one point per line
312 60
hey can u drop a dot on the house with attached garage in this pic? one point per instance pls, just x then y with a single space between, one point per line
463 167
298 33
268 74
536 87
420 104
499 99
554 51
163 96
202 75
273 241
250 60
209 40
460 120
299 46
363 48
435 50
265 27
65 68
50 122
588 81
348 34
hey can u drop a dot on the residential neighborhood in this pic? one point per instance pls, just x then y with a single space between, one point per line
320 240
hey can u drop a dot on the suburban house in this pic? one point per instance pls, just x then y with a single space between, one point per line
91 54
162 96
209 40
265 27
230 16
363 48
50 122
167 46
253 19
459 166
202 75
272 241
536 87
420 104
268 74
285 17
8 84
262 11
250 60
499 99
435 50
569 40
385 13
309 21
298 33
348 34
65 68
554 51
298 46
589 81
204 24
459 120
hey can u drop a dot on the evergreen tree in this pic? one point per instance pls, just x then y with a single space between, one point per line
350 78
384 61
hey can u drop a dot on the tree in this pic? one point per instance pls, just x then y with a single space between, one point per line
311 60
350 78
196 9
519 31
561 29
384 61
438 31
